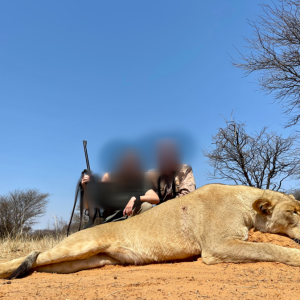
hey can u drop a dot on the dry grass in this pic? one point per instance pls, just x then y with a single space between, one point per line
15 247
11 248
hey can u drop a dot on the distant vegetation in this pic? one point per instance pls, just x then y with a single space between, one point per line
20 210
274 54
296 194
263 159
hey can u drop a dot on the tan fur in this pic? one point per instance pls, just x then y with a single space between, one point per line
213 221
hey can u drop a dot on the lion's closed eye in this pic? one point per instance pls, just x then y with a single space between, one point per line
292 212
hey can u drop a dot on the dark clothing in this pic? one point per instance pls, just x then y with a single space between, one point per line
169 187
142 186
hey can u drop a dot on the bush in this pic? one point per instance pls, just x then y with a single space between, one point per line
20 210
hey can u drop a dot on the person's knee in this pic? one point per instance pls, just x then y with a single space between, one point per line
141 209
145 206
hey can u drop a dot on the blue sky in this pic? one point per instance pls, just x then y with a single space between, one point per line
104 70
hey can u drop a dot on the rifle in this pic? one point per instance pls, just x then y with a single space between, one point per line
79 189
86 155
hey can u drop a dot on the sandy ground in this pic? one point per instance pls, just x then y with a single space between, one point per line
184 280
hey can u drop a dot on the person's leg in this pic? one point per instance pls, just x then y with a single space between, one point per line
114 217
92 217
141 208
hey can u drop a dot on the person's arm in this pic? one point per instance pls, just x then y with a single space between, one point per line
150 197
105 178
187 184
86 178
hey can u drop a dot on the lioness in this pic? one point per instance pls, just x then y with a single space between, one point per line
213 221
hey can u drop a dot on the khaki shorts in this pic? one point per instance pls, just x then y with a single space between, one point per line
141 208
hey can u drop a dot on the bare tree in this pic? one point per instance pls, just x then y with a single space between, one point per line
20 210
274 51
262 160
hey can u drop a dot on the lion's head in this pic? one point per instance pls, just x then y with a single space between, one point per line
280 215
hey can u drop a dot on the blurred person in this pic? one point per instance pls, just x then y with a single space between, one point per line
172 179
129 175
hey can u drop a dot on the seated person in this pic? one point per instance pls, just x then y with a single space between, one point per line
173 179
128 174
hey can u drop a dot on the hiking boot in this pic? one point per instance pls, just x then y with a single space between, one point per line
91 220
89 224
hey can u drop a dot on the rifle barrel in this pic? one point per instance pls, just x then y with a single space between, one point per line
86 155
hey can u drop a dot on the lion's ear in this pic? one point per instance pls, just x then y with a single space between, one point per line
263 206
291 195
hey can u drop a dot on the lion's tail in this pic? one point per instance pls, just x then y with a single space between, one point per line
18 267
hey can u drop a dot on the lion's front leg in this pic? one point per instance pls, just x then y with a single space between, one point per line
236 251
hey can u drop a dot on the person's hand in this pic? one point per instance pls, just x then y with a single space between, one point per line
85 179
128 209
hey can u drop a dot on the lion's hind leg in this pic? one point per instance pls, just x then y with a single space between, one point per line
67 267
